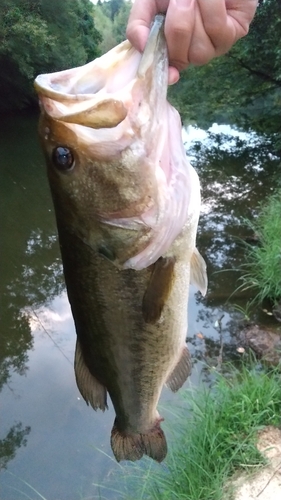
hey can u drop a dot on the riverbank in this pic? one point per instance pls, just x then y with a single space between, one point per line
264 484
261 270
215 439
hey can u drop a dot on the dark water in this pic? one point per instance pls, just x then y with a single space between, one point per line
52 445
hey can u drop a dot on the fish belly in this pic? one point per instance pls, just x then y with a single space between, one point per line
120 349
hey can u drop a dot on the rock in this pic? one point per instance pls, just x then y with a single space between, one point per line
276 311
253 239
266 483
265 343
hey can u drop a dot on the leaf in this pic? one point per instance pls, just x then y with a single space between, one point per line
241 350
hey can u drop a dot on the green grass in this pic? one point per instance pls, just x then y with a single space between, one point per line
215 438
263 262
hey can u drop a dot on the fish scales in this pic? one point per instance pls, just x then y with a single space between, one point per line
111 327
127 205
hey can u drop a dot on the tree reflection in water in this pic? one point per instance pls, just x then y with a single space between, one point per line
15 438
30 266
235 175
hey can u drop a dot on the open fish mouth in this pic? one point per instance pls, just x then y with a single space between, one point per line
83 96
93 95
117 108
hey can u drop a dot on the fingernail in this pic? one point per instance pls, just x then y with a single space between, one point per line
183 3
173 76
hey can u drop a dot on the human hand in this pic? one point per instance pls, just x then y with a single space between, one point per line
196 30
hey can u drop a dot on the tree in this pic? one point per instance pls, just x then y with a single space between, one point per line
105 27
34 35
120 22
111 8
111 20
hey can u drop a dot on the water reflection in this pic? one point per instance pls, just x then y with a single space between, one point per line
15 438
54 434
236 174
30 266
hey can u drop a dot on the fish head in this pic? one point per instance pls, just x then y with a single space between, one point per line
116 163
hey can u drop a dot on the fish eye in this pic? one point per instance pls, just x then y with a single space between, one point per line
63 159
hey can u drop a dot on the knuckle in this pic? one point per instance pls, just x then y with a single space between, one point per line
177 31
177 63
199 56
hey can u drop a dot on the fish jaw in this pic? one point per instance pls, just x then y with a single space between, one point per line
100 94
69 93
131 182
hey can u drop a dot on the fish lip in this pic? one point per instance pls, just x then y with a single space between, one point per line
80 96
156 43
57 86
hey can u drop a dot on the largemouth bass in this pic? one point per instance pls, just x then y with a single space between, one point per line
127 205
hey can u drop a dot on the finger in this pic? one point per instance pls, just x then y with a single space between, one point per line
201 48
139 23
225 21
173 76
179 26
140 19
217 25
242 13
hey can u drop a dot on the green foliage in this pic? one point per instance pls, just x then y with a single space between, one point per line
215 439
120 22
40 36
105 28
111 8
242 87
25 38
112 22
263 261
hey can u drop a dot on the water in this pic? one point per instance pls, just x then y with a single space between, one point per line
51 443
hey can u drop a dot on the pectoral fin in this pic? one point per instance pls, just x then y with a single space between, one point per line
181 371
158 289
198 272
90 388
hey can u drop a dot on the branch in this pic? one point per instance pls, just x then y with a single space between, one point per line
256 72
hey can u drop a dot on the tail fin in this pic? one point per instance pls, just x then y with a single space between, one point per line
134 446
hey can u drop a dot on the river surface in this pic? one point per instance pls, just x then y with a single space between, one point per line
52 445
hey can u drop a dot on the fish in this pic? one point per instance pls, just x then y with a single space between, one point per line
127 204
